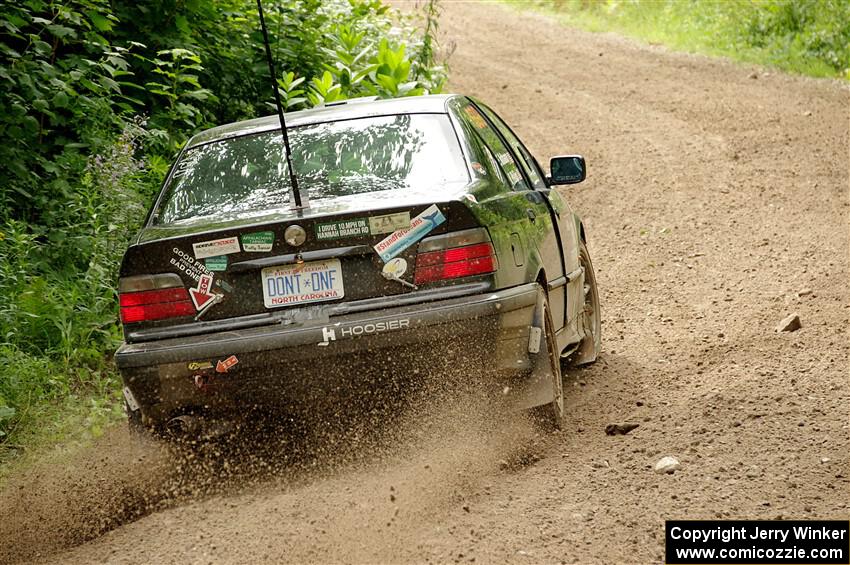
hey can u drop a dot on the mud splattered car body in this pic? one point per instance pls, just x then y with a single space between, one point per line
431 236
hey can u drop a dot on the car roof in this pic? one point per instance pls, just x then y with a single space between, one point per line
333 111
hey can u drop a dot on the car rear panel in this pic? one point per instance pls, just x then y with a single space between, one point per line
233 257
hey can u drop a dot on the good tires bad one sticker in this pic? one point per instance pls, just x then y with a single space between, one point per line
187 264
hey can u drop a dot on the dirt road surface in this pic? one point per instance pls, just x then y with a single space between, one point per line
716 205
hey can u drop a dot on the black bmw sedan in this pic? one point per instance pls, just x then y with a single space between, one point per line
426 232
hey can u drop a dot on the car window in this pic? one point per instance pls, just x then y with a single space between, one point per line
492 140
529 165
494 165
330 159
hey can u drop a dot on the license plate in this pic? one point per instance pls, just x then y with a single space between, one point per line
316 281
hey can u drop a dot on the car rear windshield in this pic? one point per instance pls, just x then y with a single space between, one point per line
331 159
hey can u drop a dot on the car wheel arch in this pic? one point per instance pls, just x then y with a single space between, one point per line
543 281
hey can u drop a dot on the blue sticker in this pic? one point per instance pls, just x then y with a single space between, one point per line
401 239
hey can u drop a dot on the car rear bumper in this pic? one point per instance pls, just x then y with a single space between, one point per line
294 366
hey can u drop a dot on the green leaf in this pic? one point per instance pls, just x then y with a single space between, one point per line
109 83
61 31
60 100
182 24
99 21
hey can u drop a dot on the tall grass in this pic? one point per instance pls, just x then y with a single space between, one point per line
810 37
57 316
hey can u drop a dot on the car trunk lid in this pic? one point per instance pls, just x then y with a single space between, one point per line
286 264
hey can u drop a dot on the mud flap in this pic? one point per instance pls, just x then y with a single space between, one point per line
536 388
586 352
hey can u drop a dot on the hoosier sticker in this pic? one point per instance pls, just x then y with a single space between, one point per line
215 247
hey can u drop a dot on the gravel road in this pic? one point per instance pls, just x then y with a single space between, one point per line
716 205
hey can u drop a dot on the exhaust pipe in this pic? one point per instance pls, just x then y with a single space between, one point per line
185 425
197 428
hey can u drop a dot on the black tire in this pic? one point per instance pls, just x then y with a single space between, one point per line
549 416
591 322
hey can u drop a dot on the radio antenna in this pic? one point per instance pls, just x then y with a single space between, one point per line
296 193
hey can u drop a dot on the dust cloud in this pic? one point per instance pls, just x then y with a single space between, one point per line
373 471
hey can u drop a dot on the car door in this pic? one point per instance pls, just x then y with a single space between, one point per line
559 209
541 229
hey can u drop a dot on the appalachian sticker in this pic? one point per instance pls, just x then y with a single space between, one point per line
258 242
343 229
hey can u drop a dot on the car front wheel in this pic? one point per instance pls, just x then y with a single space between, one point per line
591 322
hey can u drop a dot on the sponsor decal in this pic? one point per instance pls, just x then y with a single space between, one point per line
379 225
199 365
258 242
226 365
342 229
187 264
224 246
201 296
479 168
400 240
330 334
217 263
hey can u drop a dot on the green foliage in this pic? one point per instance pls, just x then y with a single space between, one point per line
290 95
805 36
96 96
362 61
176 83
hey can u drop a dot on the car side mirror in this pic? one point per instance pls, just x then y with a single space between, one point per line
567 169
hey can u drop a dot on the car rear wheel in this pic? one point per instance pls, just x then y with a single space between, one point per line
591 322
550 416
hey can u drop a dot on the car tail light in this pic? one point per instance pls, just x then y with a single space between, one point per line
456 255
153 297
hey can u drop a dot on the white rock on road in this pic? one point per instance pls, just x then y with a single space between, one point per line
667 465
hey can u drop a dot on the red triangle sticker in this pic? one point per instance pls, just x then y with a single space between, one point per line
199 298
